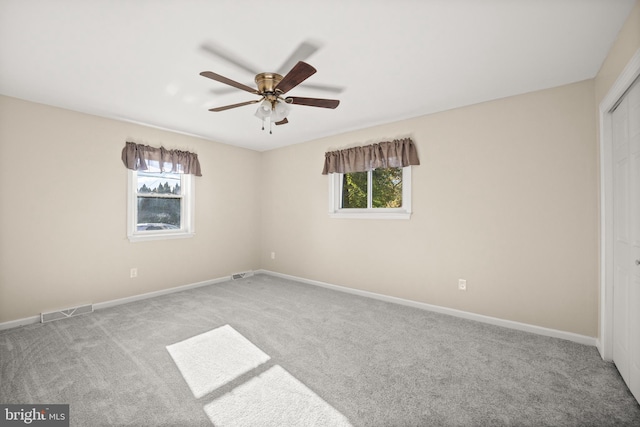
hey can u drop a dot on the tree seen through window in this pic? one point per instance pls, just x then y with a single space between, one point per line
386 189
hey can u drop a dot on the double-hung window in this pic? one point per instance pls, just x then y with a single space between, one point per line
160 205
161 194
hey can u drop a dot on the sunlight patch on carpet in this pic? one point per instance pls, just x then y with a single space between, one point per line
212 359
274 398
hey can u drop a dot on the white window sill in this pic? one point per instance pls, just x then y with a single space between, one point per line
370 215
159 236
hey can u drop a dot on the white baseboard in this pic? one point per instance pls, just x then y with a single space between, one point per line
570 336
581 339
19 322
106 304
139 297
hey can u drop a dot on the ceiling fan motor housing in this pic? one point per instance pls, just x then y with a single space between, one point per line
267 83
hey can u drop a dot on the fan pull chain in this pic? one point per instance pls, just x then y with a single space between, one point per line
270 132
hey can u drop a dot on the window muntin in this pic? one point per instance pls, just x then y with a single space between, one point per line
383 193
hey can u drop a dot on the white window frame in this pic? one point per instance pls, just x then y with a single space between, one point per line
335 198
186 212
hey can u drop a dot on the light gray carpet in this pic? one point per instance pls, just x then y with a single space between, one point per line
376 363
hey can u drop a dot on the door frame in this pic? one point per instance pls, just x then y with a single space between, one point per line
622 84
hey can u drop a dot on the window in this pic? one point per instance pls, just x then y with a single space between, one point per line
160 204
383 193
371 181
161 192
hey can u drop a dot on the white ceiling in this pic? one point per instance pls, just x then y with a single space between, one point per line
139 60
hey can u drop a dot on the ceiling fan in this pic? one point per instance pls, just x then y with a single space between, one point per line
271 89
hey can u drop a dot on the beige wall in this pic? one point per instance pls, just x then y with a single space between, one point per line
625 46
63 212
504 198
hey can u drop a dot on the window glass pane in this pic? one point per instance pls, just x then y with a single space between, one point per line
387 188
354 190
159 183
155 213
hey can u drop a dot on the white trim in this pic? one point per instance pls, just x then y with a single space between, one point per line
166 235
19 322
126 300
371 215
539 330
622 84
187 212
581 339
112 303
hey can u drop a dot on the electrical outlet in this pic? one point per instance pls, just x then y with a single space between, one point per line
462 284
273 255
133 273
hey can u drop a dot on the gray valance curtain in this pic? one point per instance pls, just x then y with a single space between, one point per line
136 156
390 154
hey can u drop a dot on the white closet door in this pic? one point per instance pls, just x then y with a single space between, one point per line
626 253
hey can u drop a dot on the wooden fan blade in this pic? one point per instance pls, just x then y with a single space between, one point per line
299 73
313 102
282 122
220 52
228 107
222 79
302 52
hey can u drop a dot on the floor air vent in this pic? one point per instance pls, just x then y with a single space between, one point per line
236 276
63 314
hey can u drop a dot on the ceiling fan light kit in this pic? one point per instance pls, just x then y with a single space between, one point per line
276 111
271 88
